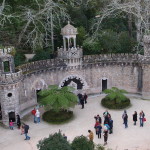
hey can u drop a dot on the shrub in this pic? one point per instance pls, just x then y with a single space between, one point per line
54 142
62 116
82 143
115 99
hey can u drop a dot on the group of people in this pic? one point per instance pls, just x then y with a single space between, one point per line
22 126
135 118
36 114
82 99
105 127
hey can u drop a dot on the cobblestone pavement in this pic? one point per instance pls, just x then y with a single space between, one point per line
132 138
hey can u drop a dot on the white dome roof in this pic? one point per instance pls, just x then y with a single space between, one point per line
69 30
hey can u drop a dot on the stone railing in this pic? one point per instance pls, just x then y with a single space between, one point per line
88 59
9 78
41 65
110 57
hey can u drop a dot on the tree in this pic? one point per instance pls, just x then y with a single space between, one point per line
57 98
116 94
40 22
139 9
82 143
54 142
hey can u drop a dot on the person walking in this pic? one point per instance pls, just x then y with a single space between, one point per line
124 115
111 126
91 135
141 117
82 102
99 130
105 134
135 117
37 114
26 129
85 98
33 113
18 121
95 126
125 118
11 125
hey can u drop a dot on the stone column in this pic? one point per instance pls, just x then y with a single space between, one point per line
146 41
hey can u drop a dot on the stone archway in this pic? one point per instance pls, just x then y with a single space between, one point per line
74 80
39 84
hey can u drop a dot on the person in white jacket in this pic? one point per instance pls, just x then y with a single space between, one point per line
37 114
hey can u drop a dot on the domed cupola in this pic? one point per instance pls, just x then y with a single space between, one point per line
69 33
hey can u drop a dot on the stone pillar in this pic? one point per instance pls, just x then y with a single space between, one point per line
64 41
146 41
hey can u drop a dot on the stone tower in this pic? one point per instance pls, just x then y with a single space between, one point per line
9 88
70 52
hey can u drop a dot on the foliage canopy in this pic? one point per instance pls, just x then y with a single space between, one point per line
57 98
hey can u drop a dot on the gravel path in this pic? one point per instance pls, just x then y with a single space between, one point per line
132 138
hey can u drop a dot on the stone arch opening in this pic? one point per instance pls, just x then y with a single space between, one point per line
12 116
75 81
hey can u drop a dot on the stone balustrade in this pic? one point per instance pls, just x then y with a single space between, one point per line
88 59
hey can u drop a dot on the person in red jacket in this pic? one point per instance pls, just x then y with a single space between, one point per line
33 113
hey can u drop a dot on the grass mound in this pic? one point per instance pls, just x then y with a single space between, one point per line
62 116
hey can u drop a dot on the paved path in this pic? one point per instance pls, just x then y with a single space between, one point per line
132 138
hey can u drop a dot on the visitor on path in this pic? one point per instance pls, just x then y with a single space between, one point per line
98 118
11 125
85 98
80 97
125 119
95 126
22 129
99 130
37 114
111 126
105 134
33 113
106 116
135 117
82 102
91 135
141 117
65 137
26 129
18 121
125 112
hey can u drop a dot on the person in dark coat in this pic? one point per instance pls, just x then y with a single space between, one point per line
111 126
26 128
82 102
18 121
125 120
85 98
80 97
135 117
99 130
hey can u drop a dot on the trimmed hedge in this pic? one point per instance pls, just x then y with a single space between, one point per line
111 104
62 116
82 143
